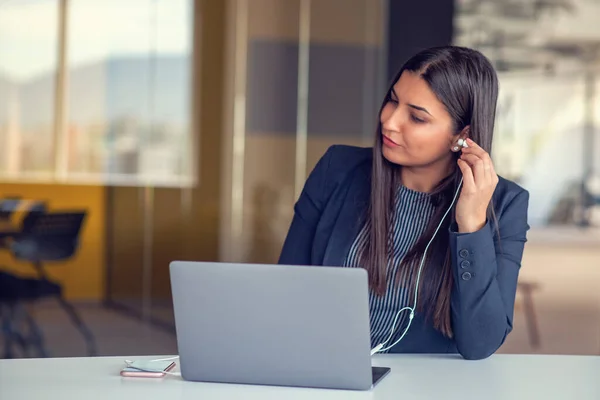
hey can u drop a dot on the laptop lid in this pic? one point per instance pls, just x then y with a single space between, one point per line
272 324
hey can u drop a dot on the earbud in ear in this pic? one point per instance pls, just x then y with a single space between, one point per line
463 143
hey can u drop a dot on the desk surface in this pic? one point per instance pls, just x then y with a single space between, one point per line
412 377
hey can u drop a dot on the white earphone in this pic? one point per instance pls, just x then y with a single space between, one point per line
380 347
461 143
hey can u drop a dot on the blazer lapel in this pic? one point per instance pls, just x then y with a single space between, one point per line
350 219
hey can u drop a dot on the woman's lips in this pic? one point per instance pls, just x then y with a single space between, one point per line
389 142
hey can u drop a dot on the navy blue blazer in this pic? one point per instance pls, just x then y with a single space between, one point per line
327 219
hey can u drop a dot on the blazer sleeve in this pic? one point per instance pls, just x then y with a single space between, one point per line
297 247
485 280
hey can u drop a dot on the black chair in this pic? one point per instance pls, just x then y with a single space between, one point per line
45 237
10 205
15 293
7 206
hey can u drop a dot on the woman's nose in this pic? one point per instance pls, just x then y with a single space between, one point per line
393 121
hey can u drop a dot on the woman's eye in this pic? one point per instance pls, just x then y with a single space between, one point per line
416 119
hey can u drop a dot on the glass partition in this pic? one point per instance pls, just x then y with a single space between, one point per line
307 76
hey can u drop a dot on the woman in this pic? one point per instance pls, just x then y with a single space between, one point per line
379 209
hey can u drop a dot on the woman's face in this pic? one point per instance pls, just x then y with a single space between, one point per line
417 130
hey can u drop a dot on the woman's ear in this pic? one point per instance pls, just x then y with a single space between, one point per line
465 133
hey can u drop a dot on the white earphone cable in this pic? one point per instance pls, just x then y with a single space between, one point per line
129 362
380 347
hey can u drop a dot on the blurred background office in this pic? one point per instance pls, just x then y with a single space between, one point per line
136 132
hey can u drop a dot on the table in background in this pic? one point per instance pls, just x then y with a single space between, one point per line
505 377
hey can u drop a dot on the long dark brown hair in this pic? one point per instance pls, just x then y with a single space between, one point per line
465 82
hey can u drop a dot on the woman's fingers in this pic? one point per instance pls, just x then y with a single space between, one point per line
474 150
468 179
477 166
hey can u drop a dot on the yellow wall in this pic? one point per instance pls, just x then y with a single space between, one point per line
82 276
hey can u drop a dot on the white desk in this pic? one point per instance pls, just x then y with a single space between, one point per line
504 377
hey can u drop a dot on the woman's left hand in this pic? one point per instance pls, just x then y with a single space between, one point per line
479 183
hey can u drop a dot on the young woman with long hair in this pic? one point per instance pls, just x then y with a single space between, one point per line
423 212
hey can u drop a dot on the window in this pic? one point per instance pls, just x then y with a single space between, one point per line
123 95
28 63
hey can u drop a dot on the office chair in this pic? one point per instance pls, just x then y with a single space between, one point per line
7 206
14 293
11 205
47 237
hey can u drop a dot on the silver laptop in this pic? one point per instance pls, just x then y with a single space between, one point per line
273 325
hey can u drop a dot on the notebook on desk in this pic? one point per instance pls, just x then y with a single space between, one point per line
273 325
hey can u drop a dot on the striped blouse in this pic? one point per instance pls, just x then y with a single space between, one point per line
412 213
